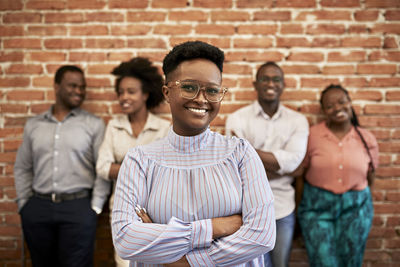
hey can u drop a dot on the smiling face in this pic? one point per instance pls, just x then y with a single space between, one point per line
130 95
337 106
71 91
192 117
269 84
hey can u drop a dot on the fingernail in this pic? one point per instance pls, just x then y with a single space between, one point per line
137 210
145 211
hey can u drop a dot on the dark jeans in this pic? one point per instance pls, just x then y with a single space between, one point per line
59 234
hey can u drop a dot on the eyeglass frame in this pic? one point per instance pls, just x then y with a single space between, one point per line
200 87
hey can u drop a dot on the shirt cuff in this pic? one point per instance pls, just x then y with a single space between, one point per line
96 209
199 257
201 233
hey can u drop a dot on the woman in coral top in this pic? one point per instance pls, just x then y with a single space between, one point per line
336 211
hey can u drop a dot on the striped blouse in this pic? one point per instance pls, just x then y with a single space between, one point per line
183 182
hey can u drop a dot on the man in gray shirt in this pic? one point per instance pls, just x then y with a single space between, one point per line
58 193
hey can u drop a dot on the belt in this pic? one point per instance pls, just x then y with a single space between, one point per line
60 197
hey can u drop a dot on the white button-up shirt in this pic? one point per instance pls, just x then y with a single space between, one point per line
285 135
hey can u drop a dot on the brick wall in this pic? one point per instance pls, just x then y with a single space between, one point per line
317 42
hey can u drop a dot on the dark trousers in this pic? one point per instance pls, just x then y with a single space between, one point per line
59 234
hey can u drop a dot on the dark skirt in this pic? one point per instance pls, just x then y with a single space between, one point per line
335 227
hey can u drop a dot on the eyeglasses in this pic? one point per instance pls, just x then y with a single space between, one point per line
190 90
267 79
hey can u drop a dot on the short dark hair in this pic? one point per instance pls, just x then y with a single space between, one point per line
63 69
354 119
269 64
192 50
142 69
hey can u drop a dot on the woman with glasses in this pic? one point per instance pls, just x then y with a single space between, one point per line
138 87
336 211
194 198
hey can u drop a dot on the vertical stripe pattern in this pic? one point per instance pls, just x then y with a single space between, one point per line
184 182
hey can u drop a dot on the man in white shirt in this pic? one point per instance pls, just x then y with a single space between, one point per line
279 136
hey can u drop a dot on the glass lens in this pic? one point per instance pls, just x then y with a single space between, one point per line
190 90
267 79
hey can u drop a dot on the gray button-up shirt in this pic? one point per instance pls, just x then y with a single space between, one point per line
60 157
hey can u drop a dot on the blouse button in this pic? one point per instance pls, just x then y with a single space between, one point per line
340 180
340 167
340 144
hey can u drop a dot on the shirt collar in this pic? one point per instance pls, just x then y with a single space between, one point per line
49 113
124 123
258 110
326 132
188 144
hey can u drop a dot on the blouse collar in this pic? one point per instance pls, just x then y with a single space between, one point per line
188 144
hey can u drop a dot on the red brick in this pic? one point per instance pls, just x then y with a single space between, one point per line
46 56
87 56
105 43
43 81
10 254
98 82
382 109
300 69
127 4
393 196
253 56
7 157
367 95
172 29
316 29
22 17
88 30
260 42
355 82
386 208
382 3
215 29
13 108
11 219
95 108
374 244
384 160
338 69
347 56
292 42
24 69
310 109
381 134
324 15
384 82
63 43
11 56
102 96
11 5
145 16
11 30
379 121
295 3
100 69
43 5
9 230
325 42
230 16
257 29
75 17
14 82
317 82
169 3
390 42
306 56
389 147
21 95
40 108
272 15
372 42
218 41
393 221
88 4
123 56
386 28
298 94
11 132
22 43
376 68
104 17
46 30
392 15
213 3
188 16
393 95
148 43
237 69
246 95
335 3
291 28
129 30
359 29
366 15
254 3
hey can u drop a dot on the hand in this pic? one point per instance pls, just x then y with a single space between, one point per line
142 213
224 226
